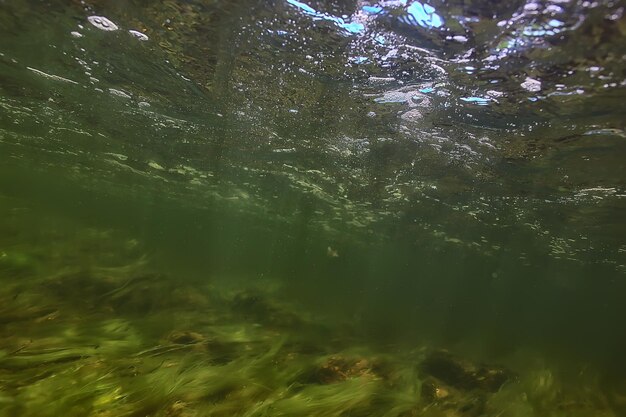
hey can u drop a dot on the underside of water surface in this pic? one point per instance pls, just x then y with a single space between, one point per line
313 208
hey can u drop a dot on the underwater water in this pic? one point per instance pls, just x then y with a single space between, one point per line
313 208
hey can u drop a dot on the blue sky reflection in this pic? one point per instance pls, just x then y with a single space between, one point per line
351 27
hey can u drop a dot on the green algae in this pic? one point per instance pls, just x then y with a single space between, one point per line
111 337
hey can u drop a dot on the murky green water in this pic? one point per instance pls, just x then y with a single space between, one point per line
317 208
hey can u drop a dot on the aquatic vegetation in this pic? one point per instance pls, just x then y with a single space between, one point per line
109 337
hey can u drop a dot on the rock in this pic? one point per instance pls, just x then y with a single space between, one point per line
463 374
432 390
452 401
339 368
186 338
256 307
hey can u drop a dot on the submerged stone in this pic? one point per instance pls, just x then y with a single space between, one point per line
256 307
186 338
462 374
338 368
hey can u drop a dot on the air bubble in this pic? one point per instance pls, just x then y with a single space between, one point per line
102 23
138 35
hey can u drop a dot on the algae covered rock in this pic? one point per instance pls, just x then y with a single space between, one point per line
257 307
455 386
462 374
339 368
186 338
